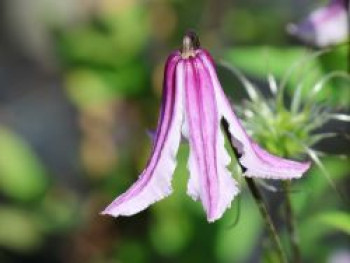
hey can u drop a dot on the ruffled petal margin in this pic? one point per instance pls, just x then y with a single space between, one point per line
258 162
210 181
154 182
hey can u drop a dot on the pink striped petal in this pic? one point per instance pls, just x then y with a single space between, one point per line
257 161
210 181
155 181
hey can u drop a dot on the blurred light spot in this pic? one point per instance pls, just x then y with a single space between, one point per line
340 256
115 6
85 88
163 19
98 150
22 176
157 78
19 230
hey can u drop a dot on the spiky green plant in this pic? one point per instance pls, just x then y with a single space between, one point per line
289 129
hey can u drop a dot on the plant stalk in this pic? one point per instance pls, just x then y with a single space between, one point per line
259 200
291 223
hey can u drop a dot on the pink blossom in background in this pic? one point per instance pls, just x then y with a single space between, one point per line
325 26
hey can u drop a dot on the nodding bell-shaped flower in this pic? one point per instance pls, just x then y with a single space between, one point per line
325 26
195 105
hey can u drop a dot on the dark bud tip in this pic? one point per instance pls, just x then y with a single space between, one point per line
190 43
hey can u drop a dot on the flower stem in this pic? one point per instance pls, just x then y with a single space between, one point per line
291 224
259 200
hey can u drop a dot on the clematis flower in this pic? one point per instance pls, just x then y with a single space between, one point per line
194 105
325 26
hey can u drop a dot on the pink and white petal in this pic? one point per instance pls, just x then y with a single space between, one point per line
227 185
193 186
209 178
155 181
271 166
257 161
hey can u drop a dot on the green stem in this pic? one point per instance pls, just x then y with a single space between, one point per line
259 200
291 223
268 221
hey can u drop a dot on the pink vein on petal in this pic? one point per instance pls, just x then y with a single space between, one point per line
155 181
258 162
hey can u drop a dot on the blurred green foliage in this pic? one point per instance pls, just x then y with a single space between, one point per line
291 128
22 231
104 56
22 177
297 66
111 64
337 220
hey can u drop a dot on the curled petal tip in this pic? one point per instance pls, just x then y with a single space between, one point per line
107 211
216 215
104 212
306 166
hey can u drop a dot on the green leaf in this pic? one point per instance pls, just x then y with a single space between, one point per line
19 230
86 88
58 212
170 233
260 61
22 177
315 186
338 220
109 41
131 250
173 229
316 227
290 65
236 244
